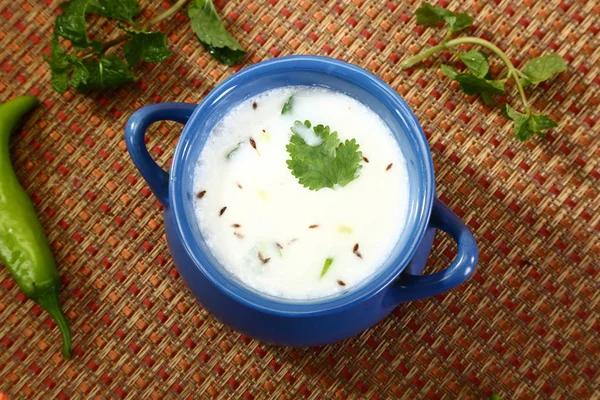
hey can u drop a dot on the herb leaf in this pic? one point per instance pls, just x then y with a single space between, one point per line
449 71
71 25
326 265
477 62
110 71
527 125
287 107
430 15
80 73
471 84
327 164
60 66
147 46
211 32
124 10
542 68
233 150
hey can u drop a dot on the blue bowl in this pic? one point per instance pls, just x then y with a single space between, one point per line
301 322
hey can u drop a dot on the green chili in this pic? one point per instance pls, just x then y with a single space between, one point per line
24 248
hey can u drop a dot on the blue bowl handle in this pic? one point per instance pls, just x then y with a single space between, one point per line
135 132
410 287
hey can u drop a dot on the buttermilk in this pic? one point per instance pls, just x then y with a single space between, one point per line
277 236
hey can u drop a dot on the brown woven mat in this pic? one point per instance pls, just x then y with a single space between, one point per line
526 326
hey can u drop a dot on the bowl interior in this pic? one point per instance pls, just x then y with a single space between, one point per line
308 71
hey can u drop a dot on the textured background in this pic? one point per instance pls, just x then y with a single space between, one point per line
525 326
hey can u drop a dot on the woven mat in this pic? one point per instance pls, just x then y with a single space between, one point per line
526 326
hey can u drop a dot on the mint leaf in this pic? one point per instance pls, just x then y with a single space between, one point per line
449 71
110 71
527 125
542 68
477 62
147 46
60 66
71 25
541 123
211 32
80 73
471 84
326 164
287 107
67 70
326 265
430 15
124 10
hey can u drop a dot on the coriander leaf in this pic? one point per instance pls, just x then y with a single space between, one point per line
109 72
124 10
326 164
326 265
60 66
542 68
527 125
430 15
211 32
470 84
147 46
287 107
71 25
477 62
449 71
347 162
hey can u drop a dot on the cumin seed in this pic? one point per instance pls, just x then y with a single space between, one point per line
236 225
201 194
222 210
263 259
389 167
240 186
253 143
279 245
254 105
355 249
341 282
365 159
239 235
313 226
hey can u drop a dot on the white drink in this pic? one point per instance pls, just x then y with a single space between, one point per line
274 234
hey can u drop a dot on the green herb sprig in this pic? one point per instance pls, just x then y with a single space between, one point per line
327 164
89 66
479 80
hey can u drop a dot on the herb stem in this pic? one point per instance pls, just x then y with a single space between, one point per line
422 55
521 91
119 39
512 71
168 13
